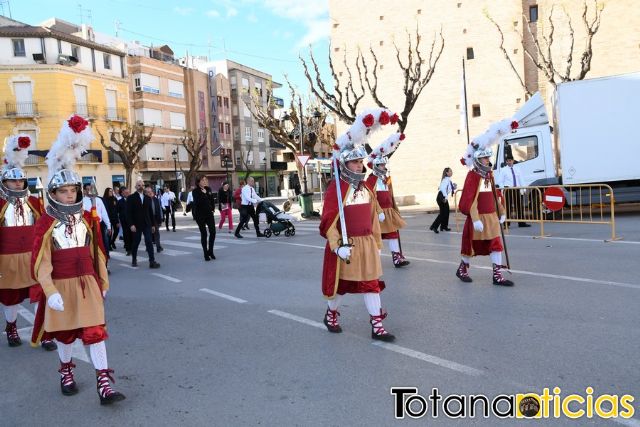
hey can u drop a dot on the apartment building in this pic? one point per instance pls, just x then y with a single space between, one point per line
46 75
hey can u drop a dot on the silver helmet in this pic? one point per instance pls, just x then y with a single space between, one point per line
477 164
355 152
13 174
377 170
60 210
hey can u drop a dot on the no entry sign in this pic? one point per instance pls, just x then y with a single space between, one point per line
554 198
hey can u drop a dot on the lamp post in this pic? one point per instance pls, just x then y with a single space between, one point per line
226 166
266 187
304 167
174 154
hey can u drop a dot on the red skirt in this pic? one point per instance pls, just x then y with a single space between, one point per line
13 296
360 287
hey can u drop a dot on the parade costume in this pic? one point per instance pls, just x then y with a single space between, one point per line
69 261
351 263
19 212
481 234
379 182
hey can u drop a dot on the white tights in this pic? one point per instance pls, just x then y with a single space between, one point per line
98 353
371 300
394 245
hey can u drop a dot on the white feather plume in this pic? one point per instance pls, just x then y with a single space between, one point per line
358 133
68 148
14 155
489 138
386 147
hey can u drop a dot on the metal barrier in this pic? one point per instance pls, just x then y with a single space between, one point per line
584 204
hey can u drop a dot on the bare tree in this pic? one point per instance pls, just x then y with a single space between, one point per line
244 160
541 54
132 140
194 143
416 69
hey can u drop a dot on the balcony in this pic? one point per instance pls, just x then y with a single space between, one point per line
114 157
36 157
22 109
91 156
86 110
115 114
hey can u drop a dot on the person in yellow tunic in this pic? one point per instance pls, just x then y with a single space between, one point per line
69 261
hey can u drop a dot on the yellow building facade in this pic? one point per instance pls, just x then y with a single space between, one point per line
45 77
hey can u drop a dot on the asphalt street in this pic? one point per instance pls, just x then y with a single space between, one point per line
239 340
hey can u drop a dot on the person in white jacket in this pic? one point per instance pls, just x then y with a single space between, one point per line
510 177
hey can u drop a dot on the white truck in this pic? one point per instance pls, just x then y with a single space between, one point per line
594 138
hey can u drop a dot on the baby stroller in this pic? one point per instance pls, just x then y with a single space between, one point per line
278 221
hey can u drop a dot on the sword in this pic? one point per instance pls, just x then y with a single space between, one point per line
343 224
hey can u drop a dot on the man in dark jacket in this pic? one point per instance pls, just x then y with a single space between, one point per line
156 216
139 220
121 207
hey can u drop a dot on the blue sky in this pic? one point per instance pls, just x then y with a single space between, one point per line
263 34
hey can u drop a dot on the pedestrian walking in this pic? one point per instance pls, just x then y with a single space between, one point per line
351 226
168 201
182 196
70 263
111 205
446 189
237 199
122 217
88 201
379 182
224 206
247 208
156 217
514 200
139 220
203 206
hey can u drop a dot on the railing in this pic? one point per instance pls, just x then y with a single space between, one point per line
115 114
86 110
34 160
584 204
22 109
114 157
91 157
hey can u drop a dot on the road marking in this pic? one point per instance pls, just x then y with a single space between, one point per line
26 314
444 363
530 273
297 319
169 278
174 252
225 296
231 239
123 256
187 244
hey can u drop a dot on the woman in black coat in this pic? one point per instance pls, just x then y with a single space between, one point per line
202 208
110 204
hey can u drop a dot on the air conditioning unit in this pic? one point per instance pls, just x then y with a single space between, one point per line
67 60
39 58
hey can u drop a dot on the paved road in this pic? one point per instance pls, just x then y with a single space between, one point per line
238 341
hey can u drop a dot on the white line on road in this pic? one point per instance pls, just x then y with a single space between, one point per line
174 252
530 273
169 278
186 244
225 296
430 359
232 240
297 318
123 256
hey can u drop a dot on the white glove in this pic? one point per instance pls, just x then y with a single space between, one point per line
503 218
344 252
381 217
55 302
477 225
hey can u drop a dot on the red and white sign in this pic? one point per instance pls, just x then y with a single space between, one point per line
302 159
554 198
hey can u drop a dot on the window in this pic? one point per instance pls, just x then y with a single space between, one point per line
476 110
258 89
260 135
247 134
80 93
226 102
149 116
381 18
221 128
246 111
176 89
75 52
153 151
236 133
146 83
112 103
533 13
227 128
238 160
177 120
263 157
250 157
470 53
107 61
522 149
18 47
232 82
219 101
234 110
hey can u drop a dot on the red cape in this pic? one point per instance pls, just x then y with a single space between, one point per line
330 215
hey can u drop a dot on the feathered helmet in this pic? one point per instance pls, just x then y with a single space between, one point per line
481 145
16 151
380 155
350 145
73 140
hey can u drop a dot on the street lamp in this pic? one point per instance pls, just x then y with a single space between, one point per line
266 187
174 154
226 166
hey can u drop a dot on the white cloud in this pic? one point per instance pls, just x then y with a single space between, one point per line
184 11
252 18
316 30
231 12
213 13
313 14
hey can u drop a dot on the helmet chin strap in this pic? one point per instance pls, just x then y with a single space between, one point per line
10 195
353 178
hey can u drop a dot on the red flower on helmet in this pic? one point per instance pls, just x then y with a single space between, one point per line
381 150
402 137
514 125
24 141
462 161
384 118
368 120
393 119
77 123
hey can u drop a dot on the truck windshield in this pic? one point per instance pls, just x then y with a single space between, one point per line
522 149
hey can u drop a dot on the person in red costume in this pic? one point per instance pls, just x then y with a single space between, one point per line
69 261
19 212
352 262
379 182
481 232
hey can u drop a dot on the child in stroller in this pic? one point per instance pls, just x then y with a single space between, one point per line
278 221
